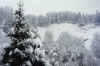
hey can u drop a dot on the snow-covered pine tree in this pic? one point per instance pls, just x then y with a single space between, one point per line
24 48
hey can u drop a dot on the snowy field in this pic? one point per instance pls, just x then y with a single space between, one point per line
62 36
84 33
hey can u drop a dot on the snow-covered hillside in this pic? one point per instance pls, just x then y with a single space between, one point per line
57 29
67 36
62 35
84 33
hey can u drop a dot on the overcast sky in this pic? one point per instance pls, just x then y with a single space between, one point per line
44 6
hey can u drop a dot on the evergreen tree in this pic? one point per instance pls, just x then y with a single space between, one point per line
25 47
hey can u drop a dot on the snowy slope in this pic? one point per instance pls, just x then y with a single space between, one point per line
72 34
57 29
85 33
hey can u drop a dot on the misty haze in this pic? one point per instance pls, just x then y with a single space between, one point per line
49 33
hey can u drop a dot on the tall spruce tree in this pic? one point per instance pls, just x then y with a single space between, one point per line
24 49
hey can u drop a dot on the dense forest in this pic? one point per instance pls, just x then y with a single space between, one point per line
7 18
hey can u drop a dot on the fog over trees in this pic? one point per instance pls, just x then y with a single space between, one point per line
6 17
66 50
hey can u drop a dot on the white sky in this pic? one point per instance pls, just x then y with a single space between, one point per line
44 6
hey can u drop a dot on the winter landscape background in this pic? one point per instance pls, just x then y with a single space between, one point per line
63 32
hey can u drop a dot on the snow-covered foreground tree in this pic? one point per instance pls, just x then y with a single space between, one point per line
25 48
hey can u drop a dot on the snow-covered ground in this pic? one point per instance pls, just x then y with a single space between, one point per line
57 29
71 33
84 33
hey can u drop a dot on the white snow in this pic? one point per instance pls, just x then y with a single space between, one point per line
57 29
85 33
